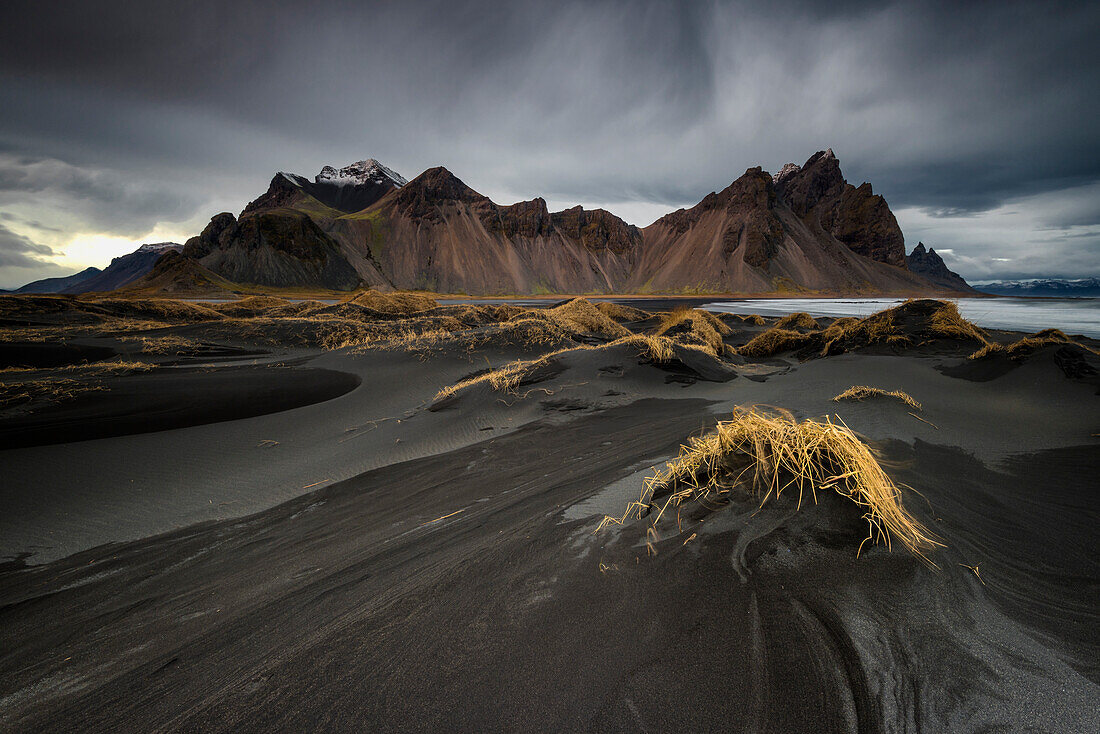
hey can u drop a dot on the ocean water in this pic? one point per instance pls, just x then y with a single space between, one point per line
1071 315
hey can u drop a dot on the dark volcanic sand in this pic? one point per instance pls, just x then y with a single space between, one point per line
445 577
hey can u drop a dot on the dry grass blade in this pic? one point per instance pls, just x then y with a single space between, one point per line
862 392
766 454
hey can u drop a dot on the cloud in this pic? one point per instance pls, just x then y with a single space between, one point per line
99 199
1056 234
20 252
948 109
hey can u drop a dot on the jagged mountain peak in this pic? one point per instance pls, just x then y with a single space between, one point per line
434 186
786 172
360 172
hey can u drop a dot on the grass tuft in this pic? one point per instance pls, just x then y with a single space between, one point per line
1026 346
798 320
774 341
765 454
695 326
862 392
619 312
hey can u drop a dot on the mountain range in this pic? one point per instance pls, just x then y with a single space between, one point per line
1048 287
803 230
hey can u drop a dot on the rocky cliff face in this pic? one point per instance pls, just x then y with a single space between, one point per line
438 233
282 248
930 266
766 234
856 216
597 229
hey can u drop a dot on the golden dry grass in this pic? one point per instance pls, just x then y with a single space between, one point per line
504 379
106 367
1027 345
405 304
28 393
765 454
165 310
169 344
901 326
862 392
797 320
774 341
254 306
694 326
578 316
619 312
60 333
878 328
948 323
754 319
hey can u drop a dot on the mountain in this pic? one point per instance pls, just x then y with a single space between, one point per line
281 247
58 285
1046 287
277 241
436 233
349 189
818 194
805 229
177 275
122 271
930 266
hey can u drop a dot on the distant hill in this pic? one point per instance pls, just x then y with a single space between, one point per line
59 285
1046 287
122 271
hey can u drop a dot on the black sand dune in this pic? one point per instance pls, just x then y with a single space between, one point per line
396 562
32 354
389 598
174 399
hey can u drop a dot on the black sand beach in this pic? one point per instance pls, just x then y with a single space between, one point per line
259 533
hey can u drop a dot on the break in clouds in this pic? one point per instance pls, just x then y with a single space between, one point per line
975 122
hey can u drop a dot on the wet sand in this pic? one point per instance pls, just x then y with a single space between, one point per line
442 573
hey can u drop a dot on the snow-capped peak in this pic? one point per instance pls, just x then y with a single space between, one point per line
359 173
293 178
787 170
159 247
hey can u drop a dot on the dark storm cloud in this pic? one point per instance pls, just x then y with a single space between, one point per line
20 252
104 200
949 109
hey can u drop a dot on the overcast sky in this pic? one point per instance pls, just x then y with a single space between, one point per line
131 122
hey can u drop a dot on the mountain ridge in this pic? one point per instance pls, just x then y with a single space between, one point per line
803 230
